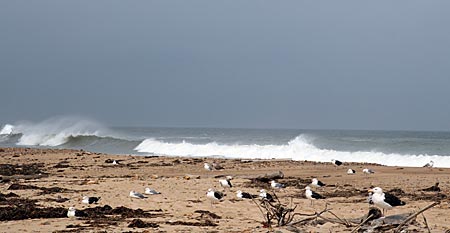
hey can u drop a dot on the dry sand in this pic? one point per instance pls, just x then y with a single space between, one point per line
73 174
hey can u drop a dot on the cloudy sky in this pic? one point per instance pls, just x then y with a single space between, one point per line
250 64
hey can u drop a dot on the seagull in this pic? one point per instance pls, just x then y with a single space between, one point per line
90 200
151 191
336 163
225 183
368 171
385 201
276 185
135 194
430 164
115 162
311 195
317 183
207 166
244 195
72 213
265 196
350 171
214 196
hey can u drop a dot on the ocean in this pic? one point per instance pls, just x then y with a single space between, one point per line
392 148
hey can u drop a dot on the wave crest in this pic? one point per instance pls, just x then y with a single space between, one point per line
299 148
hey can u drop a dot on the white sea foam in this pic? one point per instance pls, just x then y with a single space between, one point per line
7 129
56 131
296 149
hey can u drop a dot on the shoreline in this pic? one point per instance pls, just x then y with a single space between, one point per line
183 183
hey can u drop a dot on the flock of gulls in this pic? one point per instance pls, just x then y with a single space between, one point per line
376 196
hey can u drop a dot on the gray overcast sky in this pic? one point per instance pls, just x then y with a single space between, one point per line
252 64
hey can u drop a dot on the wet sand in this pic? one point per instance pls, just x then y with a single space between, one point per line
58 179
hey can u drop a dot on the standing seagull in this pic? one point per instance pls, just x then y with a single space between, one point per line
137 195
265 196
226 183
276 185
72 213
350 171
214 196
385 201
430 164
311 195
150 191
207 166
317 183
90 200
336 163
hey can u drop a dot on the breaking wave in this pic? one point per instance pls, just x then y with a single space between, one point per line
297 149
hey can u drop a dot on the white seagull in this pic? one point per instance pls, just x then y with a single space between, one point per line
276 185
317 183
385 201
265 196
368 171
225 183
430 164
90 200
137 195
350 171
214 196
150 191
311 195
207 166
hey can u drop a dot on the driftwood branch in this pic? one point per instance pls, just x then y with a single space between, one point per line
413 216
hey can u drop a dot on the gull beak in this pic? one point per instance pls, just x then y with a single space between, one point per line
370 191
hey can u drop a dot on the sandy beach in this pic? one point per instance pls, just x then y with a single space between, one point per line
58 179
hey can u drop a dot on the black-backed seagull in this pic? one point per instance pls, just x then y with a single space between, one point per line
276 185
150 191
385 201
244 195
226 183
72 213
214 196
350 171
137 195
317 183
336 163
311 195
90 200
265 196
430 164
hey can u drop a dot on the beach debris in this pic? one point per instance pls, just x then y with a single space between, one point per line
150 191
385 201
311 195
276 185
138 223
217 166
137 195
90 200
317 183
434 188
350 171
